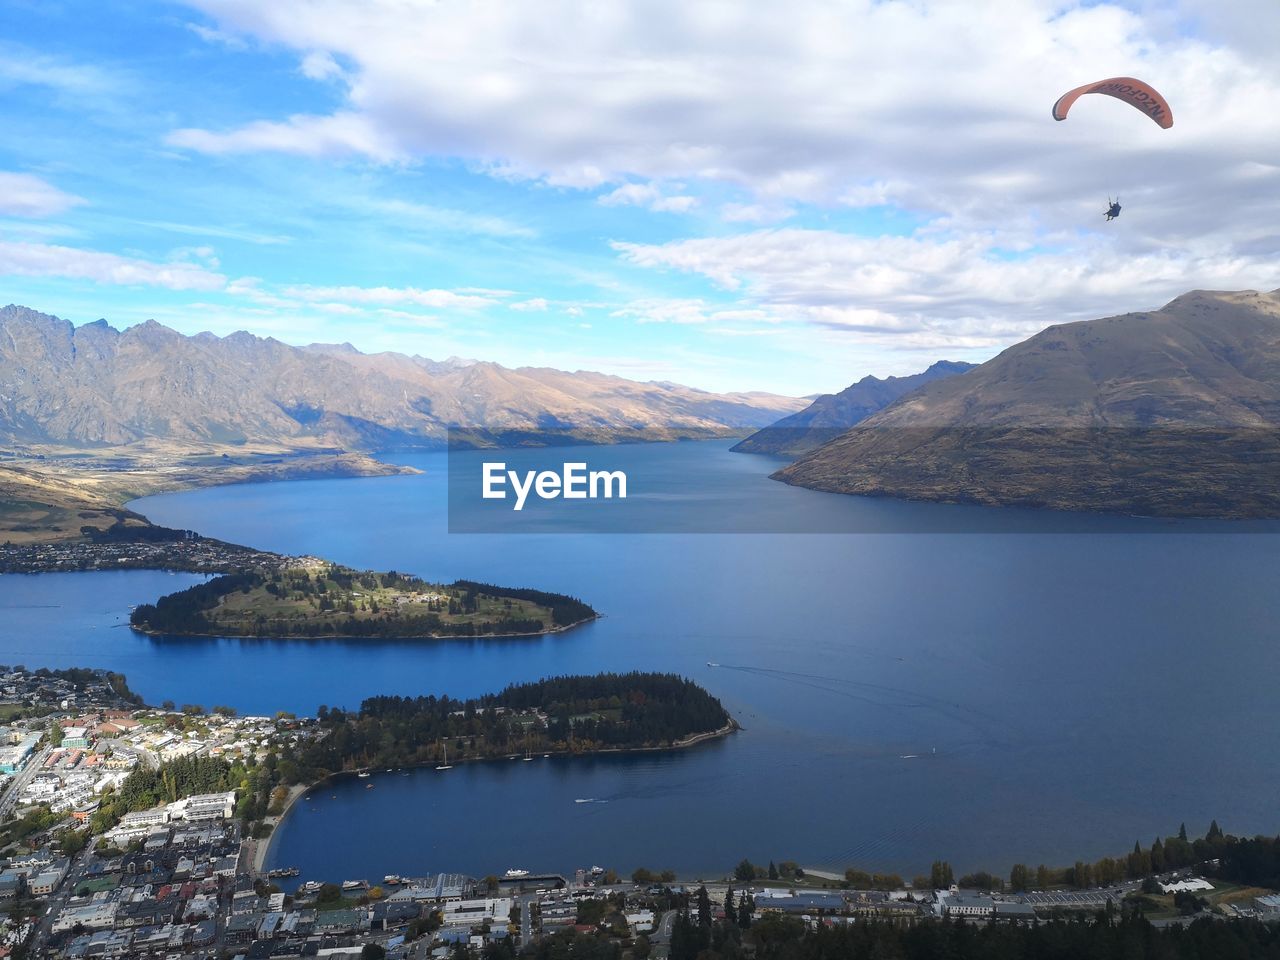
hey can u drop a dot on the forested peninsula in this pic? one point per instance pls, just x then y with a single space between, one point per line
571 715
313 598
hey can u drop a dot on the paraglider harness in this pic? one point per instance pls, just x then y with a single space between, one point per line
1113 208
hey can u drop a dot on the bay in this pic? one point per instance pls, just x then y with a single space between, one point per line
1015 694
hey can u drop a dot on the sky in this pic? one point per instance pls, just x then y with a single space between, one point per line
763 195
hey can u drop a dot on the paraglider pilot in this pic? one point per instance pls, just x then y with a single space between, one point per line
1113 208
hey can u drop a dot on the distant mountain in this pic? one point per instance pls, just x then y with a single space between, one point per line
95 386
831 414
1173 413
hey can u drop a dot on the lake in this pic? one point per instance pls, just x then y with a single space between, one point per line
1018 693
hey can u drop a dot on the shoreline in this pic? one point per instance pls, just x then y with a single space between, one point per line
345 636
262 849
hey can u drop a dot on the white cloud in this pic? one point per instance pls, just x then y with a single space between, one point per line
688 311
343 133
805 100
647 195
434 299
209 230
320 65
444 219
20 66
210 35
410 319
936 112
204 256
47 260
25 195
755 212
933 291
534 305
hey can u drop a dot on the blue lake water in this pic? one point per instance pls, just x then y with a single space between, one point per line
982 697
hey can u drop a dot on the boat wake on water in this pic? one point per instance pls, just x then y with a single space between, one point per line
886 697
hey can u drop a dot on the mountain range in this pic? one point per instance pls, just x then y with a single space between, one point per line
1173 412
96 386
832 414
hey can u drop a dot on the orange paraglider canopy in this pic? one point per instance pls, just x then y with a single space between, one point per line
1136 93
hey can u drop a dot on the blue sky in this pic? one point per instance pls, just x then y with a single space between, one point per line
778 197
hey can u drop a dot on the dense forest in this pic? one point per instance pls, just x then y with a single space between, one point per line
1124 934
335 601
561 714
184 611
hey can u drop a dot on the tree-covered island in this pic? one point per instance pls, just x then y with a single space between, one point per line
314 598
575 714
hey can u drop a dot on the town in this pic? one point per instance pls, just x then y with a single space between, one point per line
185 878
137 548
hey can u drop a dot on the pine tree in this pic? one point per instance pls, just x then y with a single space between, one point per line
1018 877
1157 856
941 875
1182 832
773 871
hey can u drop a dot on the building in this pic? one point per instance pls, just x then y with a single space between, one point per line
13 883
1015 911
451 886
12 758
137 824
640 921
477 912
969 905
204 806
1269 905
47 881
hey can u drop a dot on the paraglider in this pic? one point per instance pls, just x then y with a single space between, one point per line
1137 93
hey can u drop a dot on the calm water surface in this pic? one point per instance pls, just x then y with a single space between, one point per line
981 697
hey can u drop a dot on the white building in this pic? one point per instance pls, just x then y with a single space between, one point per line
960 905
476 912
205 806
144 820
98 915
641 921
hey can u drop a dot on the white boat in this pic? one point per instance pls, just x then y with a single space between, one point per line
515 874
391 879
352 884
445 765
363 774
